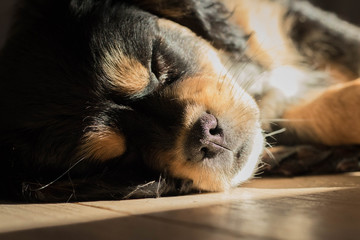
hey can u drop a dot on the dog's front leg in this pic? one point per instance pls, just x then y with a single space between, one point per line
332 118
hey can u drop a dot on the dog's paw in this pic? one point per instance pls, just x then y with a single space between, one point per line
308 159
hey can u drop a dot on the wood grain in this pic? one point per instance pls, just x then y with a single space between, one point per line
313 207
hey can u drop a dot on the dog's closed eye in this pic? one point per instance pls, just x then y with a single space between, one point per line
159 66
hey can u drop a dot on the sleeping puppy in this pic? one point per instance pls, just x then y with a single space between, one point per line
118 99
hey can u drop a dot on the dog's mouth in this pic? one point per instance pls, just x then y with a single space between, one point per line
207 153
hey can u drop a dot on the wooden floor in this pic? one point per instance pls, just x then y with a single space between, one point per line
319 207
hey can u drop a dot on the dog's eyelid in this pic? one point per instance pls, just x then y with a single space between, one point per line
158 66
164 64
154 68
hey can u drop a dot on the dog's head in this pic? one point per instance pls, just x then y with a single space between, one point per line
125 81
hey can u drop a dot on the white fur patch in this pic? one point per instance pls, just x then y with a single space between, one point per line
247 171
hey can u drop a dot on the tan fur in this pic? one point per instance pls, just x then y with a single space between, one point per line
332 118
338 72
164 8
170 25
262 19
103 145
127 75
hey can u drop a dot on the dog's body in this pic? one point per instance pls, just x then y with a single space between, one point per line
114 99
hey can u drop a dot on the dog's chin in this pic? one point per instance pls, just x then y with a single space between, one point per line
249 166
244 164
226 170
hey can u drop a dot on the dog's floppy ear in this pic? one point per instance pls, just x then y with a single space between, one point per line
207 18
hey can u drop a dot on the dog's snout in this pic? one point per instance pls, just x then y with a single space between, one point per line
206 139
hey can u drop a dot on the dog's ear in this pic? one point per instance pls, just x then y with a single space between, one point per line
207 18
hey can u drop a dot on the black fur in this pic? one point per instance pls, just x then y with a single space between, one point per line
207 18
321 37
53 91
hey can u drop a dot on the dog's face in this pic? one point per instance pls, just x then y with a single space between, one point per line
127 85
207 129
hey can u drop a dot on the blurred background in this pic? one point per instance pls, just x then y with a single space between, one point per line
346 9
6 7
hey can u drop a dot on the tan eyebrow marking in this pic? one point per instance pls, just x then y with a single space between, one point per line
127 75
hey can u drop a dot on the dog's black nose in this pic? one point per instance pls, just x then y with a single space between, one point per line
206 139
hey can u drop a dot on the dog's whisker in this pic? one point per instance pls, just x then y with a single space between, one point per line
224 77
70 197
58 178
225 70
137 189
282 120
158 186
269 153
268 145
252 78
262 165
73 194
246 78
275 132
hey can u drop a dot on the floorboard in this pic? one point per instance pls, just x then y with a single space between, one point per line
313 207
